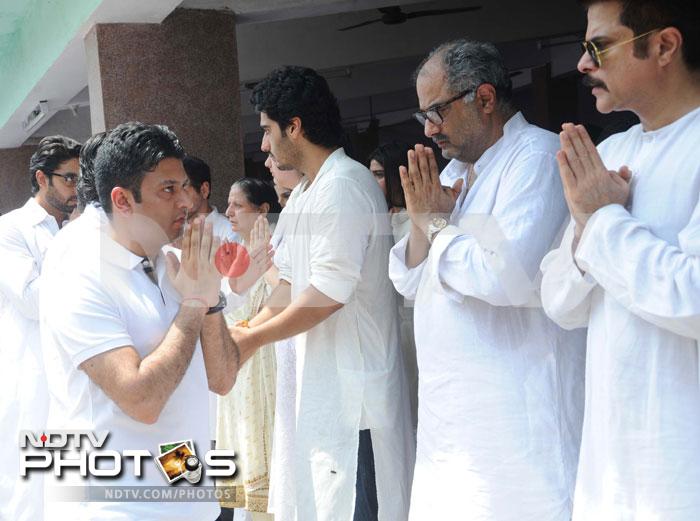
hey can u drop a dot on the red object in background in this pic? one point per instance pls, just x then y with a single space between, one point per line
232 259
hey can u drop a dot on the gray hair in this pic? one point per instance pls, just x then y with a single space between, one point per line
468 64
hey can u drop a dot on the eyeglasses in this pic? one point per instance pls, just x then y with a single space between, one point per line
434 114
595 53
68 179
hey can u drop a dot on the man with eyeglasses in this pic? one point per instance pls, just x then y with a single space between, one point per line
25 234
628 267
500 389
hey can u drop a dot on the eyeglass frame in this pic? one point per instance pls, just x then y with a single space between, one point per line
590 48
69 179
423 114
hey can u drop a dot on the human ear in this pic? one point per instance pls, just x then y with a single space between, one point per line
486 97
122 201
668 44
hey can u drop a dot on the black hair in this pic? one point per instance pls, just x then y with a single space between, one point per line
198 172
86 190
51 152
391 156
301 92
127 153
646 15
258 192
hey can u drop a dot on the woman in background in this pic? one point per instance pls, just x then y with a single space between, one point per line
245 416
384 164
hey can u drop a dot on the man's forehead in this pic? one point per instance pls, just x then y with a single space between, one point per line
169 169
69 165
265 121
603 20
431 84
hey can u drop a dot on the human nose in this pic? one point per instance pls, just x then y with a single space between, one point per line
430 128
185 200
265 145
585 63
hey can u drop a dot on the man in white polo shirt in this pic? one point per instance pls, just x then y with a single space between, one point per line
121 337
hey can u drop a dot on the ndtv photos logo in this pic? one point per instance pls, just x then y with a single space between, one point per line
83 450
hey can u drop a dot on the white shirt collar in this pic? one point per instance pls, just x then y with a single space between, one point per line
512 127
115 253
36 212
327 165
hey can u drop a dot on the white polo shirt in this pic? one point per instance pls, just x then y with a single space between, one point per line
96 297
222 226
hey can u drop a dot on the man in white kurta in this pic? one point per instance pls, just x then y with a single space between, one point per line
340 308
25 234
628 268
500 385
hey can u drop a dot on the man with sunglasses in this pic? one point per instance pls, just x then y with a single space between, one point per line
500 386
628 266
25 234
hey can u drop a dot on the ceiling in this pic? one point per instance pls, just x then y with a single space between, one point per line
371 64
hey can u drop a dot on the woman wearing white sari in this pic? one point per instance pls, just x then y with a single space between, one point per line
245 416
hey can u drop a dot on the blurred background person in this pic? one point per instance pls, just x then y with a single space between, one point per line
384 164
245 416
285 180
25 234
282 491
199 175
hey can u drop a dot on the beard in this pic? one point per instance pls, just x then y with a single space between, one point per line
65 206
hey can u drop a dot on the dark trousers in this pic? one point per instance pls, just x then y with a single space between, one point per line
366 505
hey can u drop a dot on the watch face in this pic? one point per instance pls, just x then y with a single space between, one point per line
439 222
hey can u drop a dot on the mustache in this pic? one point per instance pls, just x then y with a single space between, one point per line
592 82
439 137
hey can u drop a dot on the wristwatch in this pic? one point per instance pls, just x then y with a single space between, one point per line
219 305
437 224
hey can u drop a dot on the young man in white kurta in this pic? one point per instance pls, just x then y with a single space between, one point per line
340 307
25 234
633 279
500 385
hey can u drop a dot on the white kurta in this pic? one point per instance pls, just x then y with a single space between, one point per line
640 453
282 498
454 170
349 367
500 393
25 235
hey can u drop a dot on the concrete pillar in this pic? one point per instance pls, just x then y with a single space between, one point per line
14 172
182 73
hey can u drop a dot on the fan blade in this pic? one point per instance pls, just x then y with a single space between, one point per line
360 25
435 12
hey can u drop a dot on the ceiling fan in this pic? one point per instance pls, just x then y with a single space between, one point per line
394 15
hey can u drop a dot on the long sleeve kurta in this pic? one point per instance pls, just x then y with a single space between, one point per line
639 294
349 367
25 234
500 393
